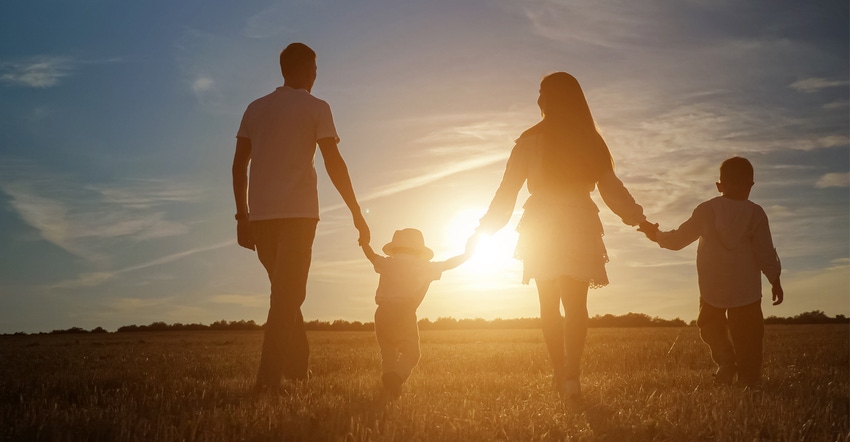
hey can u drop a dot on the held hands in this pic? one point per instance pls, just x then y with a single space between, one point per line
243 234
471 244
650 230
363 228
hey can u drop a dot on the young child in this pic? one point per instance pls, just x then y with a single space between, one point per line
735 246
406 273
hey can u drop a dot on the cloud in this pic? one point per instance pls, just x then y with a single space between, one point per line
97 278
90 279
809 85
479 140
82 219
37 72
834 180
834 141
837 105
213 70
269 22
144 193
261 300
202 84
451 168
580 24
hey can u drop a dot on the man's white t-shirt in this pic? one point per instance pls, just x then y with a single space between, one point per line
284 127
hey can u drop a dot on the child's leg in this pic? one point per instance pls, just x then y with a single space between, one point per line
408 342
714 331
386 334
746 324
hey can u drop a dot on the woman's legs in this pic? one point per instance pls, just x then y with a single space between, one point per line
553 325
574 299
564 337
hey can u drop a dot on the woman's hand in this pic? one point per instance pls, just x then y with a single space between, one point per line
650 230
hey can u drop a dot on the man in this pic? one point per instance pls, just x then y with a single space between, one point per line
278 138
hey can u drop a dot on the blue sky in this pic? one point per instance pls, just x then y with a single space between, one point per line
118 123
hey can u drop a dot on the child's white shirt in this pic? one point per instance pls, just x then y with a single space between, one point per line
735 247
405 279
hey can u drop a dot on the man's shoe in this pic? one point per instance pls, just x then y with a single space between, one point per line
725 375
392 383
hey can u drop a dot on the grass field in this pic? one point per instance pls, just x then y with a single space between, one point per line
639 384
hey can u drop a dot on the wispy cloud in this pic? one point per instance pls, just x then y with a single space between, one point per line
37 72
578 23
260 300
834 180
82 218
44 71
480 141
451 168
269 22
815 84
96 278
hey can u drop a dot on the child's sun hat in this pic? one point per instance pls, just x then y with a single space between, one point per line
410 239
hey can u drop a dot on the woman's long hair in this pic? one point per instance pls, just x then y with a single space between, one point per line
574 152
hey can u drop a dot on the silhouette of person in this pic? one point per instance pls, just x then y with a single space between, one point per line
562 158
406 273
735 247
277 139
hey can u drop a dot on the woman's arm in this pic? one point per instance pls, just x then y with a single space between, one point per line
502 206
619 200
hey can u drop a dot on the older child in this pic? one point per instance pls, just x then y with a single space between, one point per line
405 276
735 247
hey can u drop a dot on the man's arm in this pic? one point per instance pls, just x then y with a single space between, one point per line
370 254
338 173
241 159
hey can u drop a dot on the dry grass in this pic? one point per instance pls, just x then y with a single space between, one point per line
639 384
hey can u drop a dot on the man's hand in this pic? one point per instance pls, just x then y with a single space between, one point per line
243 234
361 226
778 293
650 230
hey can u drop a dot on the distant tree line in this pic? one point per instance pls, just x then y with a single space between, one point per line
449 323
813 317
218 325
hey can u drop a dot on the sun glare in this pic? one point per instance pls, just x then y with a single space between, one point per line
493 254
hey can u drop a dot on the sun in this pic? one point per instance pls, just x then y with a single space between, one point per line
493 254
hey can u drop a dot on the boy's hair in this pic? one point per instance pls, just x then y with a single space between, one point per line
294 57
736 170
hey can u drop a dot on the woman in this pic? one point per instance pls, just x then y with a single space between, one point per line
562 159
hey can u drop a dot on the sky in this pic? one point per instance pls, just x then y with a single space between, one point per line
118 124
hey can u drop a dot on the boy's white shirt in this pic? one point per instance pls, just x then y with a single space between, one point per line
405 278
735 248
284 127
